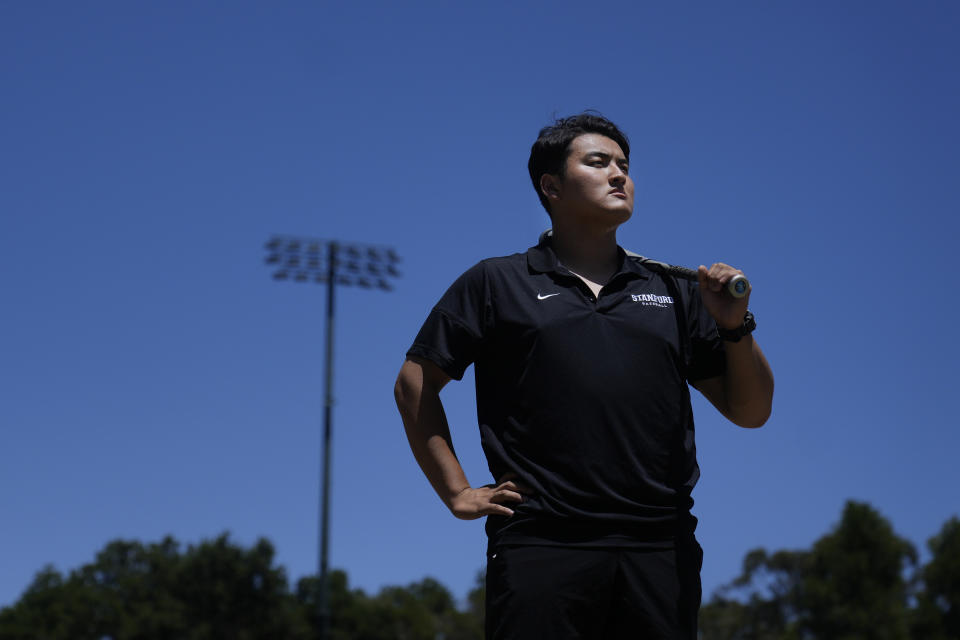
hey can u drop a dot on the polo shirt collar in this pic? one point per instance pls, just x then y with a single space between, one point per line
542 258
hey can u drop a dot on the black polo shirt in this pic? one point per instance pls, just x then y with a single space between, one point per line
584 399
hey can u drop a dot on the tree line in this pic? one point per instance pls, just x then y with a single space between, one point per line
220 590
859 581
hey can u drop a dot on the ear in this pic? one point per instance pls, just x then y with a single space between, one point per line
550 186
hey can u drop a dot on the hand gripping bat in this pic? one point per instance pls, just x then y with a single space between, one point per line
738 285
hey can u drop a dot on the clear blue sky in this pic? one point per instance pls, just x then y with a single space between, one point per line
155 380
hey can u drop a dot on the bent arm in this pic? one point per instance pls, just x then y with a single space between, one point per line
744 393
417 392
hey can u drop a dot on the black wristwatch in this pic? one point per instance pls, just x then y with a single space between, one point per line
734 335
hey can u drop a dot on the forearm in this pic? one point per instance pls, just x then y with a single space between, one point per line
428 433
747 383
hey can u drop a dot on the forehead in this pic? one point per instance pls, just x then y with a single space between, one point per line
595 143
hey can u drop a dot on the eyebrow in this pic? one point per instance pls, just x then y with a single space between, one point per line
603 155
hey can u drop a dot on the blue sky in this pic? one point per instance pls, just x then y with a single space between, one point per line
155 380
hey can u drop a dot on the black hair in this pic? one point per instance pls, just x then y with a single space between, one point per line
549 153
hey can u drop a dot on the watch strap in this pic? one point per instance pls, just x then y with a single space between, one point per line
734 335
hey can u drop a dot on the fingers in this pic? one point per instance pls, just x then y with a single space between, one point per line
492 508
724 306
717 276
703 278
510 478
471 504
507 492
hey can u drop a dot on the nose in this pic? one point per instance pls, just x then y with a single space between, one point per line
617 175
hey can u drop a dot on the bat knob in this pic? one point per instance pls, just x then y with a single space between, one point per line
738 286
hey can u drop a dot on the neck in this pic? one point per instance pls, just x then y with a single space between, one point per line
587 252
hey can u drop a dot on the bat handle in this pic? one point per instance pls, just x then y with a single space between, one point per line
738 286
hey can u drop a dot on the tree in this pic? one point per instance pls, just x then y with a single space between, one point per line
213 590
938 602
760 604
849 586
853 587
218 589
423 610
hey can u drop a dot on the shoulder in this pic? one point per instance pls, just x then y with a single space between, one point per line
492 268
488 275
500 263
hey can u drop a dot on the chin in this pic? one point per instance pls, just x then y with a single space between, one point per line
622 214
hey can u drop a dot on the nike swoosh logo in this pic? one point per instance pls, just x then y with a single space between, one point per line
540 296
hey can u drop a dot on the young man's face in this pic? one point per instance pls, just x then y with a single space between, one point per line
596 186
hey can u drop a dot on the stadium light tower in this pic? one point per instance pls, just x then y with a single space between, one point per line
332 263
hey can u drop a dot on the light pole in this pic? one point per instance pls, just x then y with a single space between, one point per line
332 263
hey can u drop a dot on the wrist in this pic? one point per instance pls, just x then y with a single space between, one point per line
734 335
453 494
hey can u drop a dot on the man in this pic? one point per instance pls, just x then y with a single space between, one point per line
582 356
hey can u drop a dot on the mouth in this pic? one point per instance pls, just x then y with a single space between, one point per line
620 193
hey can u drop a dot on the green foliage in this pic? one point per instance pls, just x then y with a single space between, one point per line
938 603
853 587
767 609
216 590
860 581
213 590
857 582
423 610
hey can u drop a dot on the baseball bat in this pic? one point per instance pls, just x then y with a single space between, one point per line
738 286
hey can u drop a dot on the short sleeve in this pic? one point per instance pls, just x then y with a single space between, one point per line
707 356
455 329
